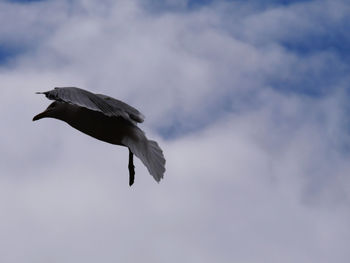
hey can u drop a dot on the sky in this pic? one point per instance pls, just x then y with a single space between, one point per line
247 99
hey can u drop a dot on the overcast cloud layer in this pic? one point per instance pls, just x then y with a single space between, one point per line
249 102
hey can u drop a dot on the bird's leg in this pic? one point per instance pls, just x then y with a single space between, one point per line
131 168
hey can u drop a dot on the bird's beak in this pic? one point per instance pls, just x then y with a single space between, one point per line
40 116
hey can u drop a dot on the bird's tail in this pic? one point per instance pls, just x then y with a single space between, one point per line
148 152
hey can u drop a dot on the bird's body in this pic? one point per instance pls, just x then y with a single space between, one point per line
108 120
96 124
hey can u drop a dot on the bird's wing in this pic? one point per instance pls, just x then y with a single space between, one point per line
118 105
147 151
96 102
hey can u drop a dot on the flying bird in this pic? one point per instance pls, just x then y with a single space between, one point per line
106 119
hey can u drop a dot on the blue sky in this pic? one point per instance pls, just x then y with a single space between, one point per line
248 100
24 1
327 40
6 53
330 37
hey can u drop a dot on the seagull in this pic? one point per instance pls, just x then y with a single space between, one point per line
106 119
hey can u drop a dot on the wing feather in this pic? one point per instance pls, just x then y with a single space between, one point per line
96 102
118 105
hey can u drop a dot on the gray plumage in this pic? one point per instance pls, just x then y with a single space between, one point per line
96 102
106 119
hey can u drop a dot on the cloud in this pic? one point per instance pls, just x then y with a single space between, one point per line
255 133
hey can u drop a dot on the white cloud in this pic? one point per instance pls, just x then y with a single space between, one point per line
266 177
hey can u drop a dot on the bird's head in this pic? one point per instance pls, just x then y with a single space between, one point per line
54 110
